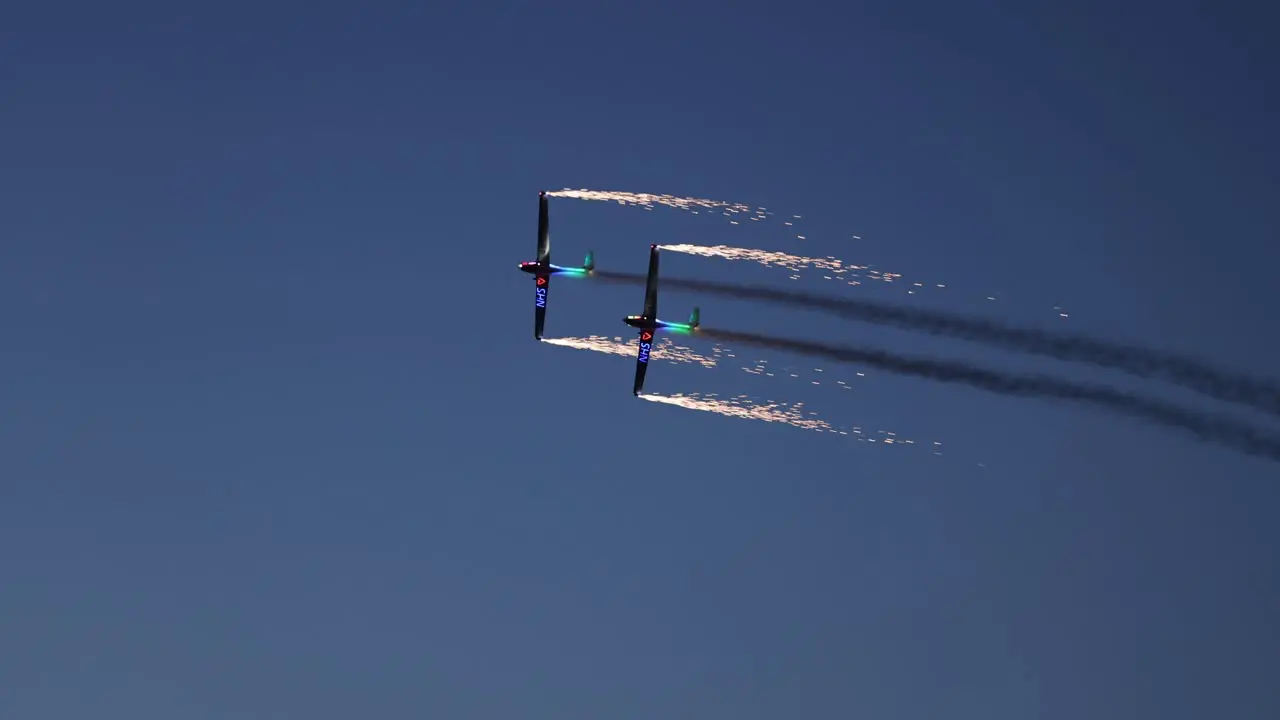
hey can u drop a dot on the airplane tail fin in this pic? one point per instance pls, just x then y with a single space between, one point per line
590 262
695 318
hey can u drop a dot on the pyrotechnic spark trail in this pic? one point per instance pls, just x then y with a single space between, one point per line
840 270
1141 362
664 350
649 200
741 406
771 411
1207 427
795 263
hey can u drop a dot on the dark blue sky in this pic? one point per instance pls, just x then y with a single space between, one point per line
276 440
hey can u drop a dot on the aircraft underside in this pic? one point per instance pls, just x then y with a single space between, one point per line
649 324
542 269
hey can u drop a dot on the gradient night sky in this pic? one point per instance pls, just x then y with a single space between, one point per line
277 442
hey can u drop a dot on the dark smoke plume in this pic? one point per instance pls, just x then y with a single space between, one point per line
1225 431
1142 362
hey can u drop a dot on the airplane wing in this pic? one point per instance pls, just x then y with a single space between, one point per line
544 231
651 287
642 359
542 286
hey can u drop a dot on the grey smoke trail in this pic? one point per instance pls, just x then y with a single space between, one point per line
1142 362
1210 428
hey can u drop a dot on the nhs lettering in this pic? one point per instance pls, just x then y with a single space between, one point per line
541 299
644 352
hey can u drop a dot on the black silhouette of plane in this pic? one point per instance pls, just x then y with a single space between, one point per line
542 269
648 322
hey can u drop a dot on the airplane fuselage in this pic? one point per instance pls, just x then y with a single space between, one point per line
534 268
641 322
